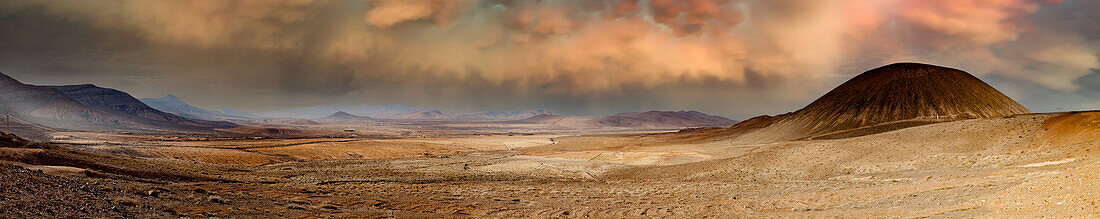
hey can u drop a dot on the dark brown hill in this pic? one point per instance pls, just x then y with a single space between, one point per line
891 97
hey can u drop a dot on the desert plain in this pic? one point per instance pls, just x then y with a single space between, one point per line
1023 165
902 140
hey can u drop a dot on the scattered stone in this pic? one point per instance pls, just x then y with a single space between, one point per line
217 199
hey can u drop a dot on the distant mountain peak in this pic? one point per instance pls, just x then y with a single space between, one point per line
171 103
342 115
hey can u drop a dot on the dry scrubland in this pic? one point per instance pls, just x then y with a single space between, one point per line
1024 165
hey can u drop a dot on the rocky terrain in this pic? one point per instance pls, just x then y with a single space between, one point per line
1019 166
23 191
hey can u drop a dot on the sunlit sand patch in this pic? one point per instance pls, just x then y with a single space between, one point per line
1047 163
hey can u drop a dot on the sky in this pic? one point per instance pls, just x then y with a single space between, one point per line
735 58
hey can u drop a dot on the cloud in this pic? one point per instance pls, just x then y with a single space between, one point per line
978 21
1017 39
206 23
426 51
387 13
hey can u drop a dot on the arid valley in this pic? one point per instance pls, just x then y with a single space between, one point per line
550 109
958 159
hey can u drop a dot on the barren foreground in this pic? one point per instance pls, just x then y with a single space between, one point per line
1025 165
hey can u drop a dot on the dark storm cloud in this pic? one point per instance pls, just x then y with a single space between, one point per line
1090 84
729 57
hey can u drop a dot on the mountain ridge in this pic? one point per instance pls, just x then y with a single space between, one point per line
88 107
403 112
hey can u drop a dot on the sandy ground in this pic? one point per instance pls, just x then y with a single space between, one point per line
1020 166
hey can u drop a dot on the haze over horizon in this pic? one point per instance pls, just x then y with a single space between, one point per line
724 57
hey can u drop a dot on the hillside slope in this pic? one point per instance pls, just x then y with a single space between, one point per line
888 98
87 107
121 104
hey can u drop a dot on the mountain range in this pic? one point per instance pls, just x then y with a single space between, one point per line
361 113
89 107
93 108
402 112
650 119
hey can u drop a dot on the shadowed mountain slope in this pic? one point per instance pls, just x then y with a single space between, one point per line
87 107
123 105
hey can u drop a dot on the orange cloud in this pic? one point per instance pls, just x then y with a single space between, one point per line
552 22
386 13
